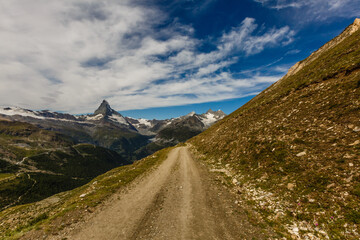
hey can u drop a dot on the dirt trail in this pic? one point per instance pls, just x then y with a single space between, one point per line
179 200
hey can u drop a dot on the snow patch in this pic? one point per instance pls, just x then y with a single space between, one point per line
144 122
19 111
94 118
13 111
209 119
119 119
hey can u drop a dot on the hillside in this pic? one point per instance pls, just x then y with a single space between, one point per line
293 152
46 218
36 163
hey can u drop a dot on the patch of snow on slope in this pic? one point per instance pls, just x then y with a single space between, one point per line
94 118
118 119
144 121
12 111
19 111
209 119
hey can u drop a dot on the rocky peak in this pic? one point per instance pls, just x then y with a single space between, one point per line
355 26
217 113
190 114
104 109
210 111
220 112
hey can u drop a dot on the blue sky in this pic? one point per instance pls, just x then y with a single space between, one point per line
156 58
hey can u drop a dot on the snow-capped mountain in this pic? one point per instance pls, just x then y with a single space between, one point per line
152 127
210 117
108 128
105 113
44 114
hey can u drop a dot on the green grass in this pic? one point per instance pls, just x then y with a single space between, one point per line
5 175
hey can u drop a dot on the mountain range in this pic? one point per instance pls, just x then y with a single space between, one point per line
131 138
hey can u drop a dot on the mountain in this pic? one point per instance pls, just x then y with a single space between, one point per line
182 128
152 127
170 132
36 163
109 129
105 128
293 151
105 114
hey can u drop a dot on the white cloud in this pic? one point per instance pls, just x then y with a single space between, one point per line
321 10
69 55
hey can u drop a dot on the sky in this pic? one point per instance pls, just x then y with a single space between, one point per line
156 58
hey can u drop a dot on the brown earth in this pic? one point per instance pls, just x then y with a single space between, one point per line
178 200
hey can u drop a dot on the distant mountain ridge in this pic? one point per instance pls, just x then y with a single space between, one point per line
108 128
105 112
151 127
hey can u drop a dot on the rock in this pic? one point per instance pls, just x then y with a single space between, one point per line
351 164
349 179
290 186
278 215
311 236
355 143
301 154
234 181
351 126
82 195
356 129
311 200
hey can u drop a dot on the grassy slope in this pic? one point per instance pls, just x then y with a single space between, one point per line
315 111
54 213
43 163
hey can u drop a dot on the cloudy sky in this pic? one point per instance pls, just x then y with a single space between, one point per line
164 57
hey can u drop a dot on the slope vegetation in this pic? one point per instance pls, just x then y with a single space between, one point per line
293 151
36 163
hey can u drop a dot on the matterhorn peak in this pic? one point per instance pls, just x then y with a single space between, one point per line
104 109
